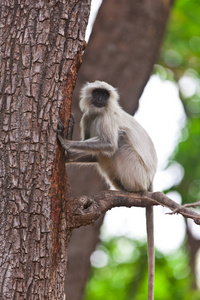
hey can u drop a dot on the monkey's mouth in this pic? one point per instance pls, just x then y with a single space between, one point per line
99 103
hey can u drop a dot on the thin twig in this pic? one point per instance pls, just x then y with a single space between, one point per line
195 204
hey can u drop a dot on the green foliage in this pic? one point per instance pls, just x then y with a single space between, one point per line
181 47
187 154
180 57
124 276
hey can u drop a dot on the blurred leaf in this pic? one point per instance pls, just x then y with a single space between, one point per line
128 280
181 46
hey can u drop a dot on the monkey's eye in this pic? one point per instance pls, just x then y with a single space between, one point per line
100 97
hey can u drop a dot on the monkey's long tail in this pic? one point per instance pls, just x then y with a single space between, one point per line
150 252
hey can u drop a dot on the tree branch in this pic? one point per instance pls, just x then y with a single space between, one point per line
85 210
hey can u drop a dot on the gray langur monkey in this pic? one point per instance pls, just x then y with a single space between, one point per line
122 149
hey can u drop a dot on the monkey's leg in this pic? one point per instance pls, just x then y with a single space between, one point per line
150 251
73 157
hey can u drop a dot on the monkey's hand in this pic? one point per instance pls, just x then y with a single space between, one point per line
70 127
60 134
60 128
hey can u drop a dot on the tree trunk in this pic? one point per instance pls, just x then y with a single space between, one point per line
122 50
41 47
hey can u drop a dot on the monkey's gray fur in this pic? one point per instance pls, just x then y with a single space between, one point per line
124 152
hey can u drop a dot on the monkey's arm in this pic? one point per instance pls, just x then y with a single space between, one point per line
79 157
90 145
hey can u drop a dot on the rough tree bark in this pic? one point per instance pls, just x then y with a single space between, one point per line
122 50
40 52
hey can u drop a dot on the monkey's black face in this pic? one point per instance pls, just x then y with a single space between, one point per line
100 97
